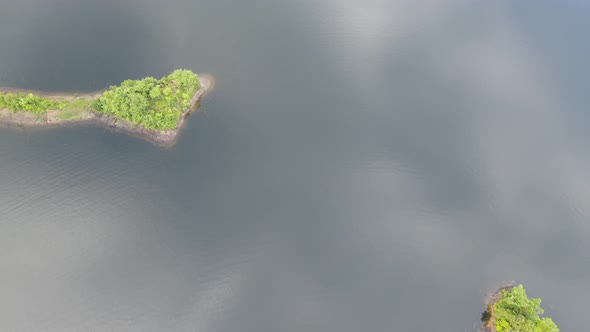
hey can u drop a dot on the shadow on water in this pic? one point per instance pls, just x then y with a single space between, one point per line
90 46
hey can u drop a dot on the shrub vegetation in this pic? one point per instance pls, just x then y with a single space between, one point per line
515 312
29 103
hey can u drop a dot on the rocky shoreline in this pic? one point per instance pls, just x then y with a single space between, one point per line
52 118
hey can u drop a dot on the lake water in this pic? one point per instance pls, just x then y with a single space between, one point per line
371 165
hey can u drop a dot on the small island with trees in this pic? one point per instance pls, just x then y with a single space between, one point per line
510 310
150 108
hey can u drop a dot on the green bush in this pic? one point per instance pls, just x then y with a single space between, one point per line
515 312
29 103
151 103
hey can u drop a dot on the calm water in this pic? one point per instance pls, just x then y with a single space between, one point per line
372 165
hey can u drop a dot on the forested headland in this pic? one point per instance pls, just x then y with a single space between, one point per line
146 107
510 310
149 102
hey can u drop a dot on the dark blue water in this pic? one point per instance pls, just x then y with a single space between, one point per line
361 166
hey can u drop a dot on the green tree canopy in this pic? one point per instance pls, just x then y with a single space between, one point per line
515 312
152 103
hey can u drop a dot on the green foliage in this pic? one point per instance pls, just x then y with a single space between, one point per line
515 312
546 324
29 103
151 103
21 102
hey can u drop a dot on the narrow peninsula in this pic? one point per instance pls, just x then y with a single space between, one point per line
510 310
150 108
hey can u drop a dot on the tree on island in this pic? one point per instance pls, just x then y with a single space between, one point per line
513 311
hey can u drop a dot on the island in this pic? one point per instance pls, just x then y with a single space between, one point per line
510 310
149 108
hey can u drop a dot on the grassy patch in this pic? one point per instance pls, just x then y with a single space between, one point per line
76 104
72 114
